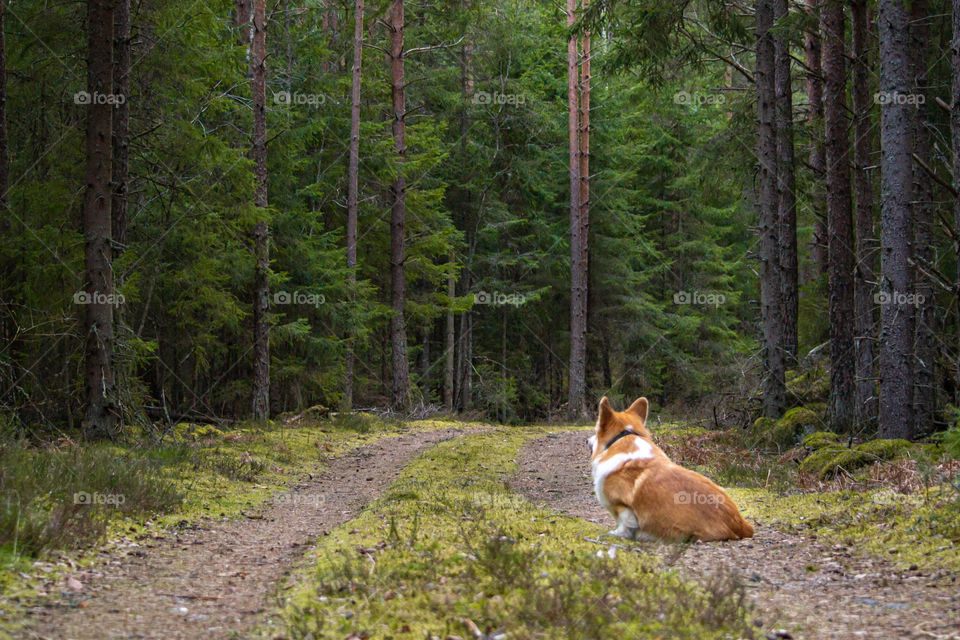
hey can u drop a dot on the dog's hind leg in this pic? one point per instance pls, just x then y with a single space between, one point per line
627 525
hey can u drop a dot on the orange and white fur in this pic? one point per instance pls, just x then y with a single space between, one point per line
649 496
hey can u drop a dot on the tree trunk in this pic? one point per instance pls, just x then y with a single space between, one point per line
398 215
100 420
786 188
242 17
818 164
955 143
4 141
839 218
584 132
450 341
578 286
866 376
353 171
925 341
261 232
896 129
771 303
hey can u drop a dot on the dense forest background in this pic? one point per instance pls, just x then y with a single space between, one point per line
771 198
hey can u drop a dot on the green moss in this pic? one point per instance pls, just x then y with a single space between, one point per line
825 462
221 473
921 529
821 440
783 433
809 386
449 542
886 449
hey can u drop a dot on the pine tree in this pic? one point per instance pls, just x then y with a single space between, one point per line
839 218
896 194
100 420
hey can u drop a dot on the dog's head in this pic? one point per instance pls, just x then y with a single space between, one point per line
610 423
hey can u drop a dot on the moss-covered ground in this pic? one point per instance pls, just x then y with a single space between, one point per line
189 473
450 551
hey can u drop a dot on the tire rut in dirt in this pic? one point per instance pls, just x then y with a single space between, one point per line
218 578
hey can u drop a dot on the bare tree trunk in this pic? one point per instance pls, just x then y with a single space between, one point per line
771 303
955 143
864 326
4 140
450 341
584 260
398 215
924 346
896 193
242 17
100 420
261 232
839 218
818 163
353 171
786 188
578 286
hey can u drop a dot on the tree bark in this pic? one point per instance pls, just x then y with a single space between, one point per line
786 188
578 286
896 193
242 17
839 218
924 343
771 303
261 232
4 140
353 171
100 420
450 341
818 163
955 143
864 325
398 214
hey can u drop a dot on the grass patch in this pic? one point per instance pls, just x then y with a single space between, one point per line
64 497
450 549
166 480
921 528
894 499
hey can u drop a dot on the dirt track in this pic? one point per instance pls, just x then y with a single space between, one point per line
797 584
219 578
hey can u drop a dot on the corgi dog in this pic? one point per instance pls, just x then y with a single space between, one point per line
650 497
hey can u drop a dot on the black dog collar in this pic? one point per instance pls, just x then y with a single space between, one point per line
622 434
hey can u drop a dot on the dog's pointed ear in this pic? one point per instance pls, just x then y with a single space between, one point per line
640 407
605 411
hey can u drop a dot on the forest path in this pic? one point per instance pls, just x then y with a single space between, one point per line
848 595
220 577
